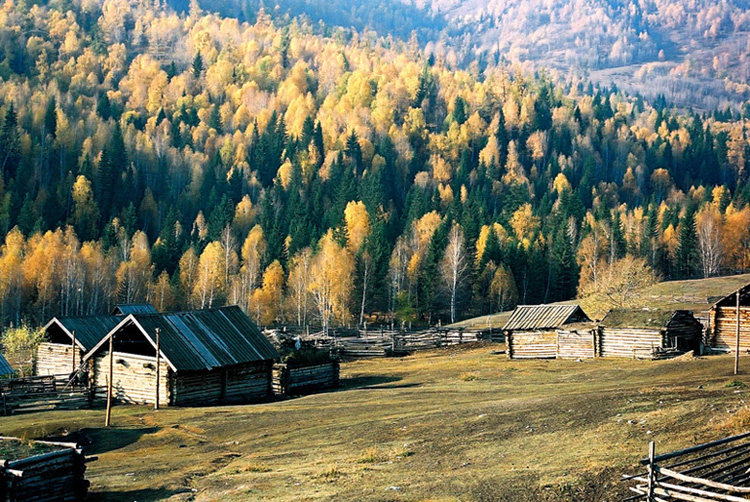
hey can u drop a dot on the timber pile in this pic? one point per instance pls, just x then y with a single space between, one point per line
289 380
715 471
54 476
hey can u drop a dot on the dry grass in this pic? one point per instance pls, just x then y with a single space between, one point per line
415 429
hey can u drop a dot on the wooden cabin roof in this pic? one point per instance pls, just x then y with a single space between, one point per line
528 317
730 300
201 339
89 330
641 318
134 308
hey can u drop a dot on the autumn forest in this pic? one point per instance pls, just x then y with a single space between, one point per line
317 175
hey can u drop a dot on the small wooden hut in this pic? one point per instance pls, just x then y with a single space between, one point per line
577 341
204 357
722 320
648 333
531 330
57 355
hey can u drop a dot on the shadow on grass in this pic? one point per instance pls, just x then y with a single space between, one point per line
372 382
100 439
145 495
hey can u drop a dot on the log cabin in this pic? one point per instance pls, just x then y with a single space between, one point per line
531 330
56 355
67 340
722 320
648 333
204 357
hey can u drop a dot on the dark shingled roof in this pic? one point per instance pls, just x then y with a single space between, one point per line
637 318
5 367
544 316
89 329
203 339
134 308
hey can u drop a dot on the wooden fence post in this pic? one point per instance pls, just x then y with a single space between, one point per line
737 343
158 368
74 350
108 417
651 472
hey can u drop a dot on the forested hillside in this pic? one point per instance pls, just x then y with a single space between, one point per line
193 160
695 53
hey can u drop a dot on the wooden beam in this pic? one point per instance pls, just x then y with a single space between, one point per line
108 417
737 343
74 350
158 365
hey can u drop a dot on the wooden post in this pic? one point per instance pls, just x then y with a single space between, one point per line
651 472
108 417
737 342
158 368
74 351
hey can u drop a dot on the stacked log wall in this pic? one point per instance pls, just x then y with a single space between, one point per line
134 379
629 342
290 380
196 388
56 359
532 344
574 345
724 323
241 383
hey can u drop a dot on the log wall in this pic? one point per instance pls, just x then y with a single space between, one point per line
55 359
242 383
134 379
575 345
724 323
290 380
532 344
629 342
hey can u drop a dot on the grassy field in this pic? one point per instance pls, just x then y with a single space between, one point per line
449 425
696 295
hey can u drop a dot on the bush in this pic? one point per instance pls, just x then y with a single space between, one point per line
306 357
19 347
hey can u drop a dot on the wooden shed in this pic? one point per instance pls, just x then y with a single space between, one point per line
205 357
531 330
57 356
722 320
577 341
648 333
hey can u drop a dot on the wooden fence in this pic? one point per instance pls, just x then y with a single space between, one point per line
55 476
710 472
289 380
384 343
40 393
